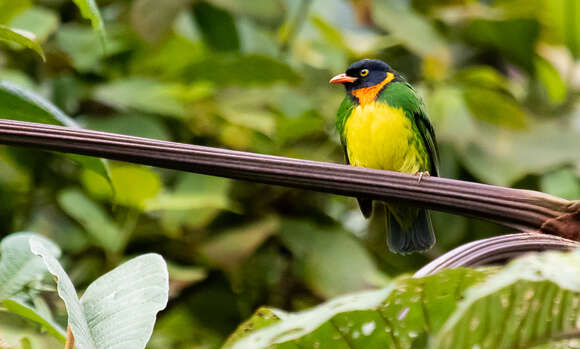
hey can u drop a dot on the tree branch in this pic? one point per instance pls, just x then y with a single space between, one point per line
497 249
524 210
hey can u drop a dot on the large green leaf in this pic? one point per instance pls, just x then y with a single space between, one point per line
534 300
560 17
9 9
22 37
396 316
18 266
118 309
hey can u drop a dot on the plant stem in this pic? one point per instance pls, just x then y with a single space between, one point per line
525 210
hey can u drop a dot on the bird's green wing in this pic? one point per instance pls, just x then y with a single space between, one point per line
342 115
402 95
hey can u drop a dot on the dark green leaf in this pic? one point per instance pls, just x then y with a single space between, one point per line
222 37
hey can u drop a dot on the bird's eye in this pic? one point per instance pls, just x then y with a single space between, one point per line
364 72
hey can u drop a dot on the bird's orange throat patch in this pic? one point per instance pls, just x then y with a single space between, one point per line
367 95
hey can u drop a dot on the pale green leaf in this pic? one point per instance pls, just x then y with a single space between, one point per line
562 183
21 37
18 266
152 19
117 311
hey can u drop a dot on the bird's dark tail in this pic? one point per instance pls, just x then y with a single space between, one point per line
416 235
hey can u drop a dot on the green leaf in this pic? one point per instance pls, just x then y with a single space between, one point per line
488 151
90 11
320 252
9 9
263 317
533 300
40 21
514 38
495 107
18 266
118 309
242 70
22 37
560 18
261 9
551 80
82 46
152 19
562 183
142 94
222 37
135 185
21 309
230 248
128 124
17 103
395 316
415 31
92 218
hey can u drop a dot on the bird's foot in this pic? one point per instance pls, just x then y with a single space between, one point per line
421 174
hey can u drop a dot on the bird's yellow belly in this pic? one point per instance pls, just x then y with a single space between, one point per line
382 137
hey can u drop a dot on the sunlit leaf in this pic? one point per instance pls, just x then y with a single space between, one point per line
135 185
118 309
10 8
21 37
561 19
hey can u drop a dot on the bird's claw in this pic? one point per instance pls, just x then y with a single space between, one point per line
421 174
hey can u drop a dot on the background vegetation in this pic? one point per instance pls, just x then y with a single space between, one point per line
500 79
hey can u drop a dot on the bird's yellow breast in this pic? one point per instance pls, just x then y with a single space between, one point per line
380 136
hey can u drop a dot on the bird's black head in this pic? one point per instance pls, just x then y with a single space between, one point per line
365 73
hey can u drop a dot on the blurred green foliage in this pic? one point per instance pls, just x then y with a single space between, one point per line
500 79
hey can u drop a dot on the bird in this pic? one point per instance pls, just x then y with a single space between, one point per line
383 124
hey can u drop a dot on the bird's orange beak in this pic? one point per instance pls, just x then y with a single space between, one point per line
342 78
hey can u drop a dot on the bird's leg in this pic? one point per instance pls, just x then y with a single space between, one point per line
421 174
